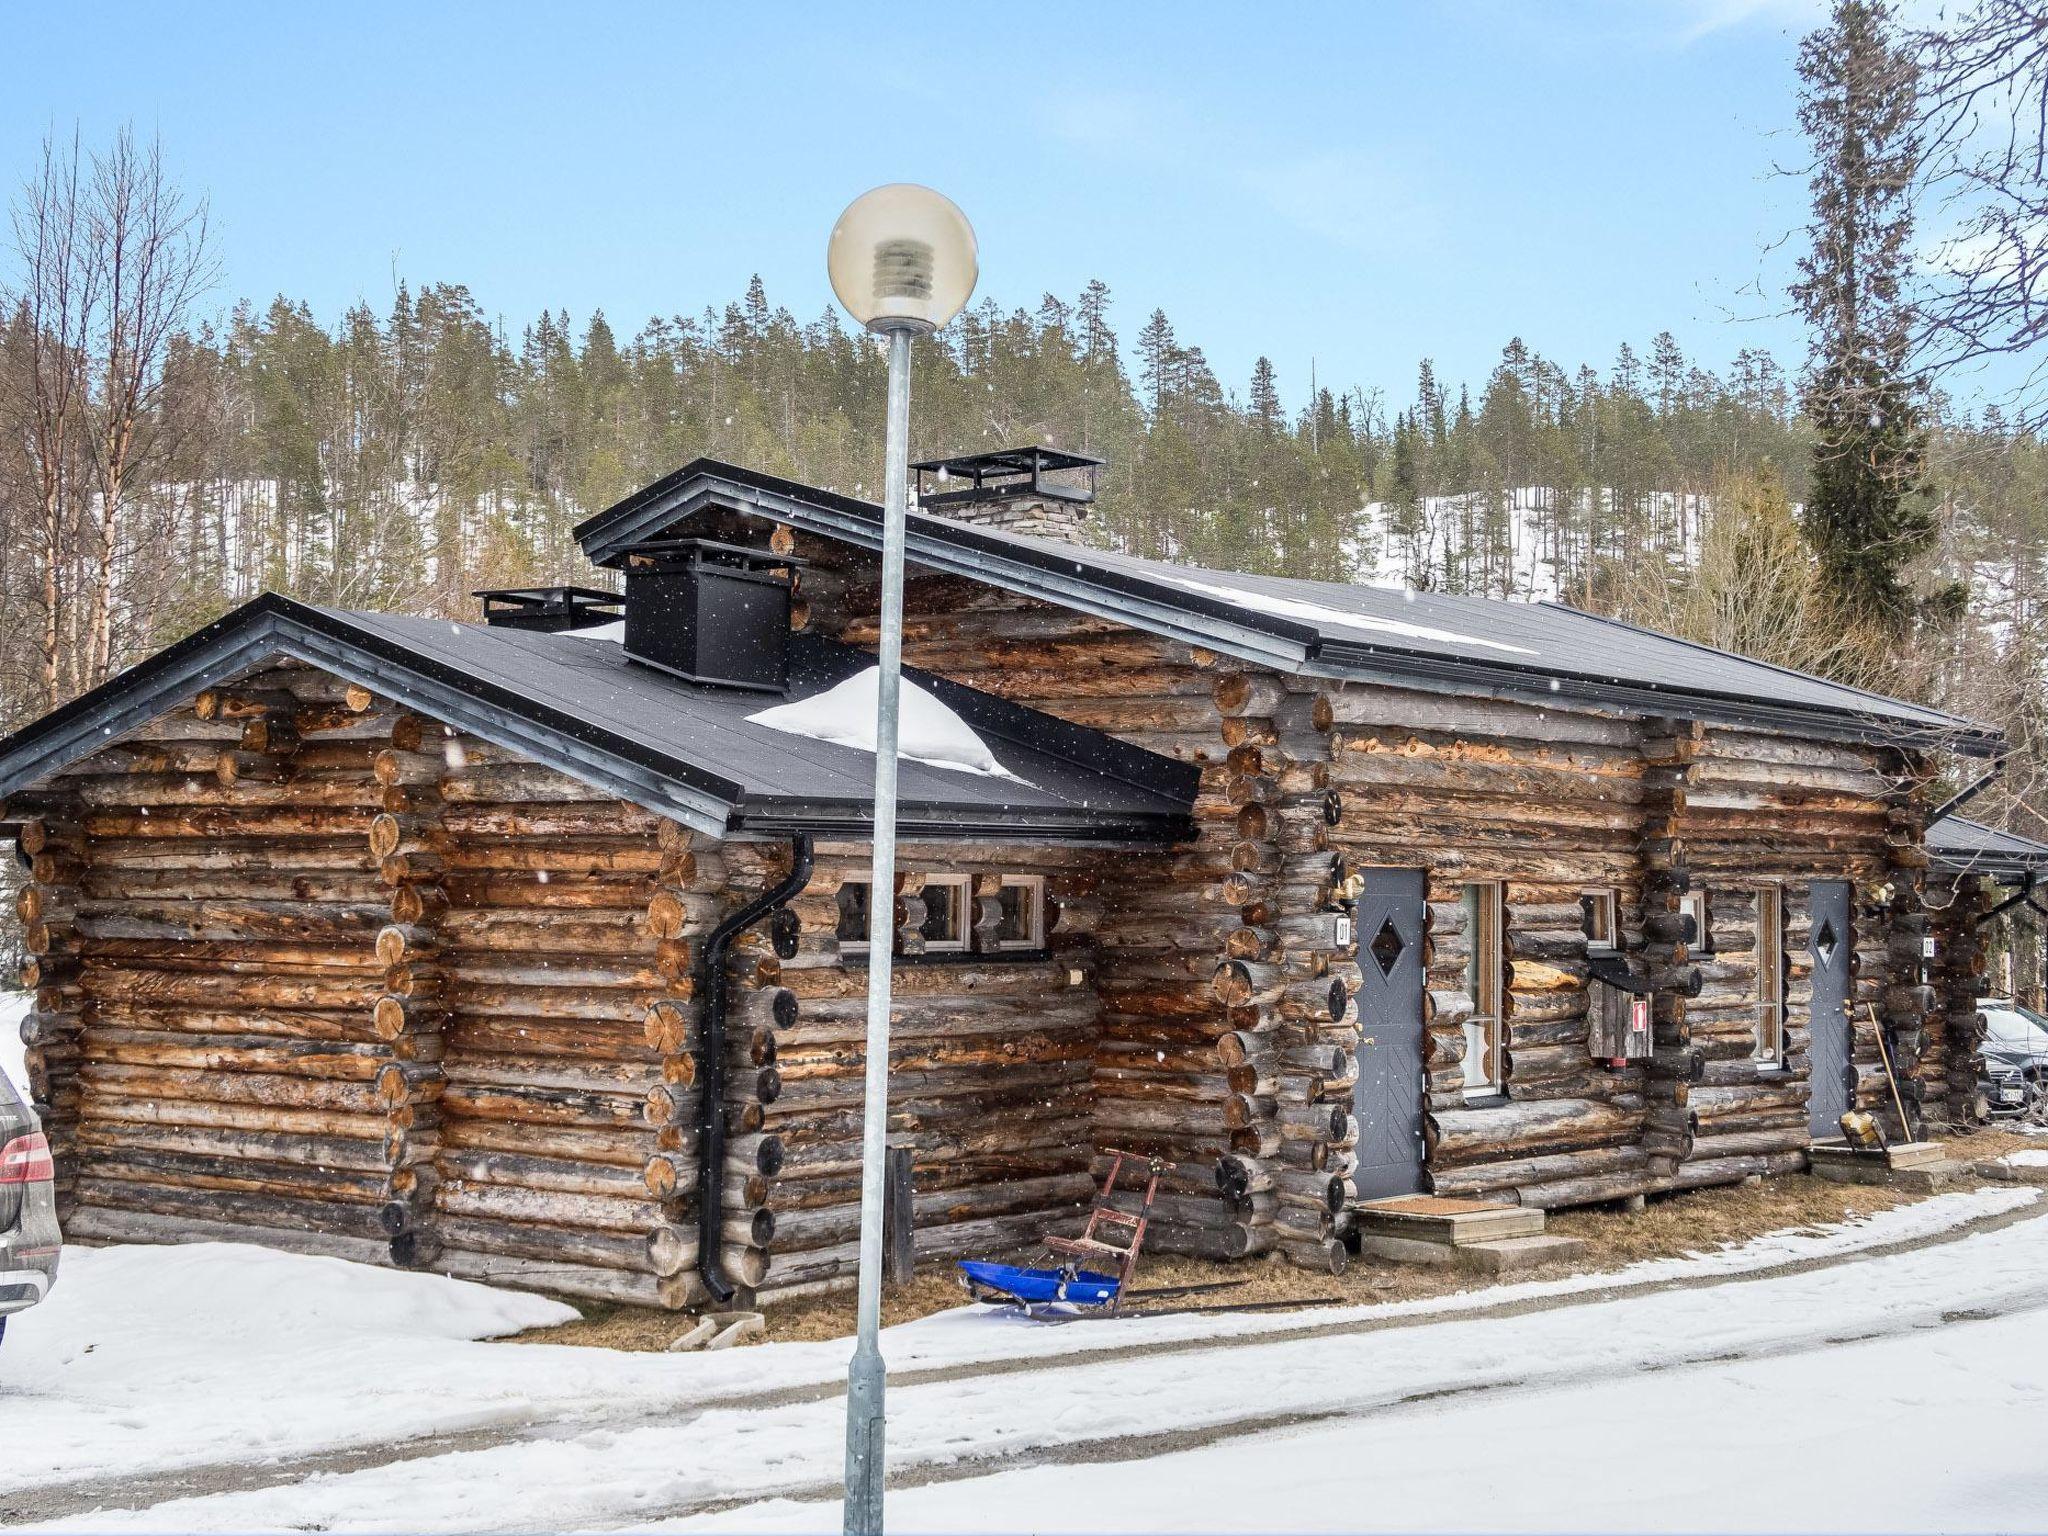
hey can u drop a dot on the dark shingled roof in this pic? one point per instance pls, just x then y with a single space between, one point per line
684 749
1960 846
1332 629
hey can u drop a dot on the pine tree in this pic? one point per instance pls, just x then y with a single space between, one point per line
1265 396
1158 357
1866 515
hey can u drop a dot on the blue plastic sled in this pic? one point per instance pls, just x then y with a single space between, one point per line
1035 1287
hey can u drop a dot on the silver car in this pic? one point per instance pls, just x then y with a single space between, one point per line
29 1238
2014 1058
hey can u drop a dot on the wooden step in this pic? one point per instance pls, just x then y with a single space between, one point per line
1917 1154
1450 1222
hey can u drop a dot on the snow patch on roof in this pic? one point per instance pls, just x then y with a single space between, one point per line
1316 613
927 731
614 632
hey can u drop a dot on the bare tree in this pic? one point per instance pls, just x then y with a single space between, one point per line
110 258
1984 167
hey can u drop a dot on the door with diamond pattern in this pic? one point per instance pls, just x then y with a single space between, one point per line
1832 943
1388 1098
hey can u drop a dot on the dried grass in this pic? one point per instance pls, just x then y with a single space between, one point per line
1668 1226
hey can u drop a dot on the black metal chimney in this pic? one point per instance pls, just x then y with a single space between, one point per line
709 612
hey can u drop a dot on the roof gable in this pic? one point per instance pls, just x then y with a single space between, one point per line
1542 652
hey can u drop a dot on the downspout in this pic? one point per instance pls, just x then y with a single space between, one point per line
711 1064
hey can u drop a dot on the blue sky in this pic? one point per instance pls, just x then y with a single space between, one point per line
1360 184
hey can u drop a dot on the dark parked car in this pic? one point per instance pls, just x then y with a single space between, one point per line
2015 1058
28 1207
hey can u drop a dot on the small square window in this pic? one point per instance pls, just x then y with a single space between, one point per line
852 931
1021 902
1600 919
945 914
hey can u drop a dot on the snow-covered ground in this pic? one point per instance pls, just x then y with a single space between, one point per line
1804 1441
148 1359
13 1007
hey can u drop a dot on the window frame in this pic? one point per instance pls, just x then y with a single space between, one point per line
1769 928
962 902
1486 983
1699 903
859 946
1036 910
1604 900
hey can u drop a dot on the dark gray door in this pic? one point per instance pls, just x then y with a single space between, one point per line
1389 1094
1833 941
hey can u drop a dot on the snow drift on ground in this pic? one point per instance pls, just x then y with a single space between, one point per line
145 1356
927 731
13 1008
1592 1409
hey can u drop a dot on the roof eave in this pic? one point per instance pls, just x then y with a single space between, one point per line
856 823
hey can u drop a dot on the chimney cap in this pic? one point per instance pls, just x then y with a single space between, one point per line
550 608
1005 473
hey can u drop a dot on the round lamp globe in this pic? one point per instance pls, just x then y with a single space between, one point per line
902 256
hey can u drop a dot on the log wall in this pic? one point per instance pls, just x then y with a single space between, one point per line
1215 1001
1763 808
1305 780
1550 804
206 914
992 1067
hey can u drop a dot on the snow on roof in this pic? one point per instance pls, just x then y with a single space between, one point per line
614 632
927 731
1316 613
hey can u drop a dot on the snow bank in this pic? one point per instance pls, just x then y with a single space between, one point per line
927 731
1316 613
614 632
147 1357
13 1008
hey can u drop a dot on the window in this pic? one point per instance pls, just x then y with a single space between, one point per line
945 914
1483 1032
852 931
1021 904
1600 922
1769 1048
1695 905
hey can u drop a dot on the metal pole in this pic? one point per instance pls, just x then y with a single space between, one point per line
865 1470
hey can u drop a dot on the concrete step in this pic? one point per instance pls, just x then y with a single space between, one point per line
2013 1171
1512 1255
1930 1178
1447 1222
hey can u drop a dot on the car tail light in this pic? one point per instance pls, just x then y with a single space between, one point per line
26 1160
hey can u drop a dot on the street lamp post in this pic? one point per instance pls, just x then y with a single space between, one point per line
902 260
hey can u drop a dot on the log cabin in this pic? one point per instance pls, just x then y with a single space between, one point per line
534 949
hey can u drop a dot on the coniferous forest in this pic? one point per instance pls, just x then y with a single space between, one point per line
165 459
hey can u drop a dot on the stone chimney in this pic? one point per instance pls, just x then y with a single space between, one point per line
1039 491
